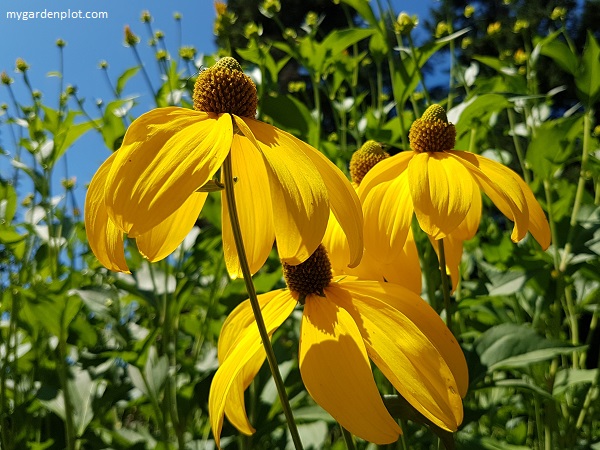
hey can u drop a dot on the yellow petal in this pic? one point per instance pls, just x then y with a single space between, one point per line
163 239
403 353
298 193
167 154
336 244
388 213
255 213
500 186
538 224
342 199
233 374
105 239
406 269
337 374
468 227
384 170
440 196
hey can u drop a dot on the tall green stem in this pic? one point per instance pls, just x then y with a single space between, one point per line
445 284
349 441
262 329
587 125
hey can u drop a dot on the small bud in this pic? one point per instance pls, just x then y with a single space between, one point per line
71 90
441 29
520 57
76 212
68 183
60 43
162 55
4 107
158 34
103 64
520 24
187 53
251 30
36 94
559 13
311 20
131 39
404 23
5 79
290 33
177 16
146 17
494 28
21 65
466 43
270 8
469 11
220 8
28 200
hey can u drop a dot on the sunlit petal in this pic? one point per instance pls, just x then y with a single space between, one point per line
538 224
500 186
241 362
255 212
388 215
299 195
440 196
337 374
384 170
163 239
453 250
468 227
403 353
105 239
167 154
342 199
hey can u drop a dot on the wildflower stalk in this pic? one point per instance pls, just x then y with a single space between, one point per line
63 373
262 329
587 124
445 283
517 144
144 73
417 61
348 440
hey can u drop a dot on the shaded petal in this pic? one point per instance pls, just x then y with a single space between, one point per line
388 215
406 269
399 348
255 213
385 170
468 227
105 239
342 199
336 244
240 362
167 154
501 187
441 198
299 195
337 374
163 239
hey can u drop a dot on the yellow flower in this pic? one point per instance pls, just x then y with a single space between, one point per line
403 268
442 188
345 323
151 188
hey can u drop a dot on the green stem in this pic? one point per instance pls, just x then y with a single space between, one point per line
517 144
145 74
348 439
399 105
445 284
262 329
413 53
317 99
587 125
552 224
70 436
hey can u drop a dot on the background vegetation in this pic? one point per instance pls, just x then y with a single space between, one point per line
91 359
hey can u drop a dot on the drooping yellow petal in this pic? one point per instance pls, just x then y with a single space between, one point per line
232 374
163 239
403 353
388 213
255 212
500 186
468 227
337 374
105 239
406 269
538 224
299 195
336 244
342 199
440 196
384 170
167 154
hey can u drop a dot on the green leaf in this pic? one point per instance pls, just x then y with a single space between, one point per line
553 145
568 378
587 80
151 380
479 108
561 54
125 76
289 114
511 346
365 10
113 128
8 202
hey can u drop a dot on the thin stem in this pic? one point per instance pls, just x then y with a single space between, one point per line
348 439
64 379
317 98
262 329
517 144
146 77
413 54
587 124
445 283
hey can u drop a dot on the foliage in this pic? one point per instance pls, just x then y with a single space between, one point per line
91 359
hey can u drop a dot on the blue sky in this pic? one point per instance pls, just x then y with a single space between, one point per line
91 40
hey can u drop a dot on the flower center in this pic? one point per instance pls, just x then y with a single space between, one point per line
224 88
365 158
311 276
432 132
